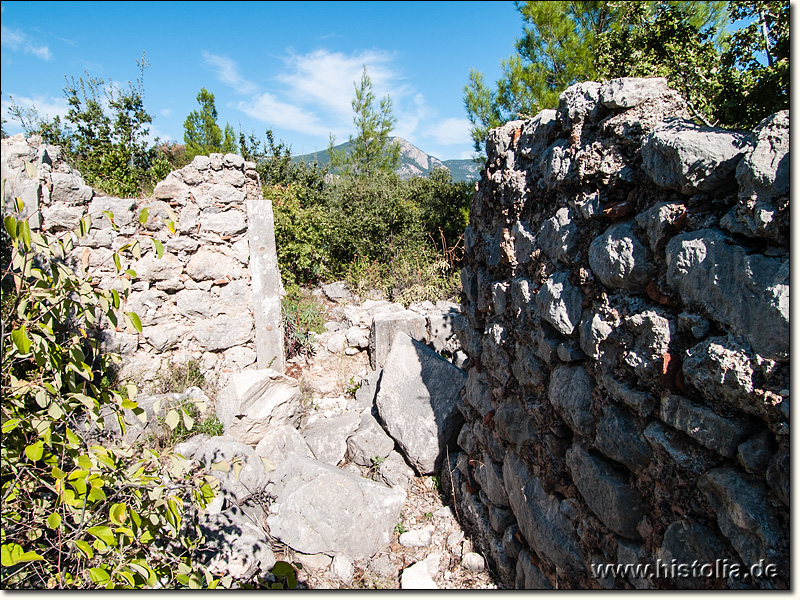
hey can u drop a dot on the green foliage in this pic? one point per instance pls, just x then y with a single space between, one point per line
556 50
721 76
104 134
201 134
76 514
301 234
303 315
370 151
751 90
676 40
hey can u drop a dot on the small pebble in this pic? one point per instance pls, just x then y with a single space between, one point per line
455 538
416 538
416 577
473 562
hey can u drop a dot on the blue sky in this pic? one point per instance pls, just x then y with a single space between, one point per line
288 66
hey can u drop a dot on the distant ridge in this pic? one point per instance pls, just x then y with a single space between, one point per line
413 162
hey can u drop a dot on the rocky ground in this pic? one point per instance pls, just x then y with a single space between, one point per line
428 546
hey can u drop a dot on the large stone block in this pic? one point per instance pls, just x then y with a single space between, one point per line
224 331
255 401
722 434
746 517
355 517
620 260
606 492
627 92
385 327
417 402
570 393
747 292
763 176
689 158
543 525
559 302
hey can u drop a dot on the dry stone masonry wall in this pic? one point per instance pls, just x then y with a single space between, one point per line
213 297
627 294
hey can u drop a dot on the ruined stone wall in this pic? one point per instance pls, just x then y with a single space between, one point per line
627 293
213 297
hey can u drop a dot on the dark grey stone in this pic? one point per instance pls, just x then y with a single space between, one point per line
722 434
688 158
619 259
750 292
543 526
620 437
570 393
745 515
606 492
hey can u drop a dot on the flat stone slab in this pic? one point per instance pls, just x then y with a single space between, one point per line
320 508
417 402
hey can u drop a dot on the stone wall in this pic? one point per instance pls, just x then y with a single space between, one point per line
214 295
627 293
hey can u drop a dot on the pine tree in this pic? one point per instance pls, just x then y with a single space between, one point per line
371 151
202 135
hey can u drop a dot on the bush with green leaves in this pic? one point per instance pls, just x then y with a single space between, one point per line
77 513
104 135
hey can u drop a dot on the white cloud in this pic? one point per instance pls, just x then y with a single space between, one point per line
326 80
451 132
272 111
17 40
228 73
165 112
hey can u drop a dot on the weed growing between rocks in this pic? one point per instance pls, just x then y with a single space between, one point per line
303 316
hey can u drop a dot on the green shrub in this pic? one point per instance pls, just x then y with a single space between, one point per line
303 315
76 514
104 135
301 235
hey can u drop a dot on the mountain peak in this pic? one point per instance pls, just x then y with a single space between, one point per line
413 162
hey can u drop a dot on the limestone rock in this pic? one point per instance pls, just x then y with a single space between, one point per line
558 237
327 436
220 454
417 577
417 402
619 259
234 545
763 176
750 292
224 331
559 302
226 223
210 264
689 158
385 327
255 401
280 441
417 538
369 442
337 292
394 471
627 92
313 523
